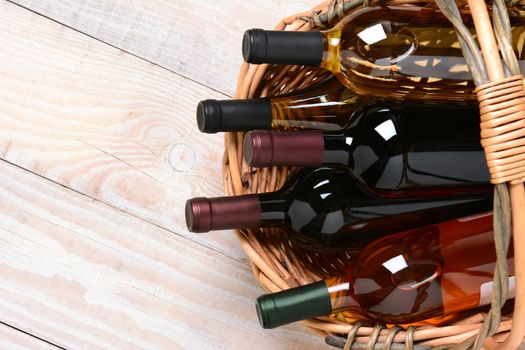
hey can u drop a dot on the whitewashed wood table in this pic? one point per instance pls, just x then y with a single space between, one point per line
99 151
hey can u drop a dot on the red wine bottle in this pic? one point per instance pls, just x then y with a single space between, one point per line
407 150
327 205
403 278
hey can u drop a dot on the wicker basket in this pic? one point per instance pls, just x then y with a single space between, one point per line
279 263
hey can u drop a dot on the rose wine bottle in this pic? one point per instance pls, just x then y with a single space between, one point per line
408 151
402 278
396 52
327 205
327 105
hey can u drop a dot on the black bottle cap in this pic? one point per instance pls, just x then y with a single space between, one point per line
296 304
282 47
234 115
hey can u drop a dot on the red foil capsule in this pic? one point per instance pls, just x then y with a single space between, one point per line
264 148
221 213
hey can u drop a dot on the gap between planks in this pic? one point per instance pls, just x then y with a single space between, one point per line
200 40
81 275
12 338
118 48
203 244
106 124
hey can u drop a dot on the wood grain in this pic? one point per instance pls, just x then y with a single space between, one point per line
98 153
198 39
106 124
13 339
83 275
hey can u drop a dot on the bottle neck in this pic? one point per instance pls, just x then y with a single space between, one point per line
301 148
236 212
341 295
274 208
339 148
327 105
331 50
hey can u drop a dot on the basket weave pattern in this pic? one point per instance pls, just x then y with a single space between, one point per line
280 263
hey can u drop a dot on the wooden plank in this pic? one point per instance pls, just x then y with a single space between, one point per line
83 275
198 39
13 339
105 123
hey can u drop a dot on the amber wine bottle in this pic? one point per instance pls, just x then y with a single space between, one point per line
326 205
408 150
397 52
327 105
403 278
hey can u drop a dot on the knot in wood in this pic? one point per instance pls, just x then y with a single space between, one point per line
181 157
502 110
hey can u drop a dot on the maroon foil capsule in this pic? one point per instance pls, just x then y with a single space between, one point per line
301 148
221 213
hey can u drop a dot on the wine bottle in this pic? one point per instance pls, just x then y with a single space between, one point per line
327 105
326 205
409 150
402 278
396 52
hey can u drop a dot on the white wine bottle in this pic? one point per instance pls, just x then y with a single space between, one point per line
396 52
